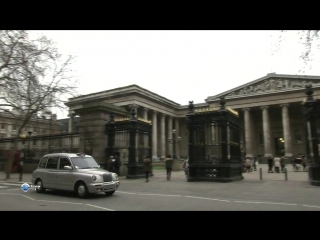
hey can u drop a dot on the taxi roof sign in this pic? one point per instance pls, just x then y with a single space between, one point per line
80 154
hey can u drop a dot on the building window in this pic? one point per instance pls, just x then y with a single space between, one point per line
298 136
3 126
261 138
34 142
14 127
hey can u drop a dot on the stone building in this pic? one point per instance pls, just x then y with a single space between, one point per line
37 126
269 109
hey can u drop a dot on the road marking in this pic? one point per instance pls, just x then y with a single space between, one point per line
100 207
311 206
59 202
27 197
125 192
14 189
11 184
3 186
212 199
288 204
155 194
13 194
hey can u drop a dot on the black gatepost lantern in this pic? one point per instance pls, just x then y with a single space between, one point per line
311 112
214 144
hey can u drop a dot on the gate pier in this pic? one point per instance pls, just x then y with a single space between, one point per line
214 144
311 111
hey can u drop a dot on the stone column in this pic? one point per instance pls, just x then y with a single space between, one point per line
145 116
247 130
266 131
286 130
213 134
154 137
170 135
145 113
70 115
163 137
177 145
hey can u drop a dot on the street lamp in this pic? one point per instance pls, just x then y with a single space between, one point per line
174 140
29 132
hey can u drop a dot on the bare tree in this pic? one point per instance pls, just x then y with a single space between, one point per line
310 39
34 77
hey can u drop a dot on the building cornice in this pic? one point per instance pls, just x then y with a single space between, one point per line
120 92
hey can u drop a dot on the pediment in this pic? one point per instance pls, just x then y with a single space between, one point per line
272 83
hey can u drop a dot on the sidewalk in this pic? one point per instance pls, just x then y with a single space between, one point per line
14 178
26 178
252 176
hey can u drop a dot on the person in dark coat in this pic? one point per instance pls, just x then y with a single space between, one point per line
117 165
147 167
283 163
111 163
270 164
169 164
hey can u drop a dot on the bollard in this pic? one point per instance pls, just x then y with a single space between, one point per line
260 173
285 174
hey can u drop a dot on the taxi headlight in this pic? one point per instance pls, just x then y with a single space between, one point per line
94 178
115 177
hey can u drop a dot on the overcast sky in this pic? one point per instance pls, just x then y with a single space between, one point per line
178 65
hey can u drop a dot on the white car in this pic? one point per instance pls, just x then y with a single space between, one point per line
73 172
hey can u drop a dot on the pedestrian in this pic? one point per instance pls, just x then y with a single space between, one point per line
276 162
298 165
270 164
147 167
111 164
255 161
256 164
168 164
248 165
117 165
304 163
293 163
185 165
282 163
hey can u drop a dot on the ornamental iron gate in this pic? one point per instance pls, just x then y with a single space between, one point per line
131 139
311 112
214 144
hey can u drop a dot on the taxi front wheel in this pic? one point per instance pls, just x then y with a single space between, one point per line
82 190
40 188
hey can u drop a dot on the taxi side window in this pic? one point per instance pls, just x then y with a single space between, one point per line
43 163
52 163
64 162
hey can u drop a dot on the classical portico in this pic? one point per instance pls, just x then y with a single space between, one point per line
270 111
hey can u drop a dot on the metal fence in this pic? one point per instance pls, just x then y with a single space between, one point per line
35 147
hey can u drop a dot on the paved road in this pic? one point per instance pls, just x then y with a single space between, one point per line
271 194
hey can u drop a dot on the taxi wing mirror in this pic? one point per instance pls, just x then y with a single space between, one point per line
67 167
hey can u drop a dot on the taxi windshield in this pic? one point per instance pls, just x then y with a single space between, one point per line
84 162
